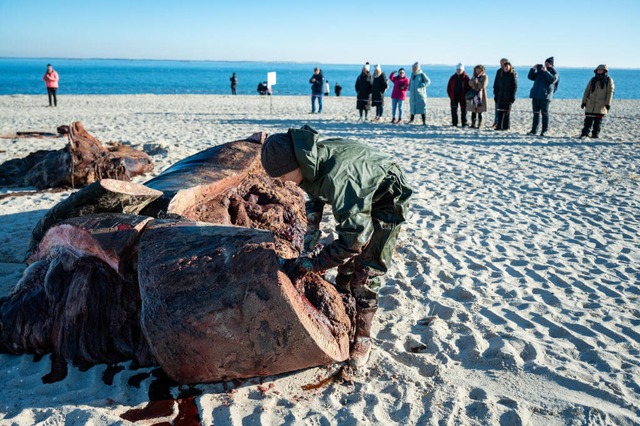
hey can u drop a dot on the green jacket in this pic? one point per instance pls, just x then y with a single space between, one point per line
346 175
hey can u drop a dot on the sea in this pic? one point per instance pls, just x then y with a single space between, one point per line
23 76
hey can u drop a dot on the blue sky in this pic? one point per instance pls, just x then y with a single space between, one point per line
576 32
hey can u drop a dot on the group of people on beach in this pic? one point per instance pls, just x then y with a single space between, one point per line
469 94
368 192
466 94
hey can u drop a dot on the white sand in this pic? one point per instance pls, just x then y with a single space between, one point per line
513 298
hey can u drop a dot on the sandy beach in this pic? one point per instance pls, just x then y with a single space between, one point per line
513 299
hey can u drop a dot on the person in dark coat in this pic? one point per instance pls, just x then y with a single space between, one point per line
495 80
457 87
234 83
337 89
317 90
364 85
263 88
368 195
504 94
379 87
545 83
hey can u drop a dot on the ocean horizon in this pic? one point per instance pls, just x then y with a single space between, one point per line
96 76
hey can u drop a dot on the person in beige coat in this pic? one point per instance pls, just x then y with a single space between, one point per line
596 101
478 104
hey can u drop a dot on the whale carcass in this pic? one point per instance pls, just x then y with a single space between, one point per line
181 272
83 161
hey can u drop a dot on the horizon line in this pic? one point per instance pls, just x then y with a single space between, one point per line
253 61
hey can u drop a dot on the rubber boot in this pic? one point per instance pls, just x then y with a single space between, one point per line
361 348
473 120
424 119
410 119
479 120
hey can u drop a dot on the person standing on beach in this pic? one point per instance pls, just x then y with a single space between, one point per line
364 84
337 89
234 83
51 80
398 94
327 88
418 93
495 80
478 104
379 87
545 83
368 195
457 87
596 101
504 95
317 89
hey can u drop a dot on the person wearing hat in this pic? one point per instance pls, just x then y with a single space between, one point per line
596 100
457 87
364 85
377 90
504 95
368 195
418 93
398 94
51 80
545 83
478 103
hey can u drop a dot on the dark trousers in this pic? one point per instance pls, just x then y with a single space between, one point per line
504 117
454 112
51 92
594 120
233 90
362 273
540 107
379 110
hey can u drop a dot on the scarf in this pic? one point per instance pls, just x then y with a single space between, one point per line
602 78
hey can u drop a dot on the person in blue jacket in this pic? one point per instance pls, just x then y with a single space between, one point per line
545 83
317 89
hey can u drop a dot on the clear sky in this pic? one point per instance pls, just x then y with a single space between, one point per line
576 32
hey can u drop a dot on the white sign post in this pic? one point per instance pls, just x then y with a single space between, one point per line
271 81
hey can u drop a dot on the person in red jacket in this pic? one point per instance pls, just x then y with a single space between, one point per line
456 89
398 94
51 80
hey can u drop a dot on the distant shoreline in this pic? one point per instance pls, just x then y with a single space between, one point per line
246 61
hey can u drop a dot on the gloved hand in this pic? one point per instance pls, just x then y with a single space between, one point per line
608 107
311 238
583 105
297 267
